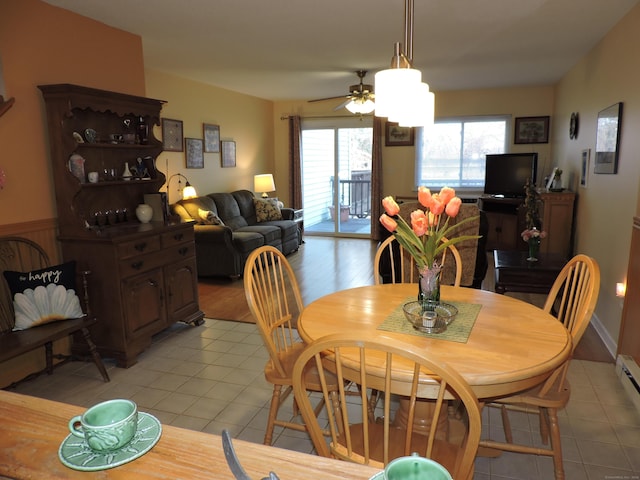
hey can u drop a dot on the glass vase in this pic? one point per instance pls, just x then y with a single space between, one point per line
429 287
534 249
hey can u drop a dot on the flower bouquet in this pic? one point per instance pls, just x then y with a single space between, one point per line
532 234
428 235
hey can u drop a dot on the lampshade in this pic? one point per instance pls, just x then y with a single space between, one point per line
189 192
264 183
401 96
360 105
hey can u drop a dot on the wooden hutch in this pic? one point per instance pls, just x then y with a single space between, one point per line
143 275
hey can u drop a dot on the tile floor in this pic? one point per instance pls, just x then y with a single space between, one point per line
210 377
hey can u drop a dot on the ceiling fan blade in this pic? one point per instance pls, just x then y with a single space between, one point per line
328 98
342 105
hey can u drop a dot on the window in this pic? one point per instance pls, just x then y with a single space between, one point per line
452 153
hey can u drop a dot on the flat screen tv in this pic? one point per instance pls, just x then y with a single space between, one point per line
507 173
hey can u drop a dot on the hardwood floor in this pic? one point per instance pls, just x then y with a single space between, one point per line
325 264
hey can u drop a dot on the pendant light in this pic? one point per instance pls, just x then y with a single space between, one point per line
401 95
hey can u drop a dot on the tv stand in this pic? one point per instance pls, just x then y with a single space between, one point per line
506 219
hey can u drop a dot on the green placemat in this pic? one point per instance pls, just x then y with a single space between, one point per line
457 331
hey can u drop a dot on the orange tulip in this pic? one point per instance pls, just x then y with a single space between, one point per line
388 222
446 194
419 222
390 206
437 207
453 207
424 197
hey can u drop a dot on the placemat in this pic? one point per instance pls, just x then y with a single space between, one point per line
457 331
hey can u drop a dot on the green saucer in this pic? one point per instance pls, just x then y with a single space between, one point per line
75 453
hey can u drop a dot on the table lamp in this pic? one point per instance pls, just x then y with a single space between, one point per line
264 183
188 191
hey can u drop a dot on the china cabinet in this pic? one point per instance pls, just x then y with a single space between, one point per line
144 273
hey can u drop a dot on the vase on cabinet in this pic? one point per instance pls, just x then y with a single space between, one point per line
144 213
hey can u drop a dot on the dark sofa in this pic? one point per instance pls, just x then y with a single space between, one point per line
221 250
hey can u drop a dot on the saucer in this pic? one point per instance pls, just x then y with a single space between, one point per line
378 476
75 453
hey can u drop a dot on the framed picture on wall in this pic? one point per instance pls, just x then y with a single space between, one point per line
397 136
194 155
584 168
211 134
531 130
172 135
228 157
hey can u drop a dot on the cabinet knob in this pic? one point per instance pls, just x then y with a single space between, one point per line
178 236
183 251
137 265
140 246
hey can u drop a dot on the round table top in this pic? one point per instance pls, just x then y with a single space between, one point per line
513 345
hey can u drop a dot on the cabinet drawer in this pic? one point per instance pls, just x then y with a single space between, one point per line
142 263
176 237
179 252
138 247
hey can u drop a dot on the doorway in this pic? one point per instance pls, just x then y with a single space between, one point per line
336 176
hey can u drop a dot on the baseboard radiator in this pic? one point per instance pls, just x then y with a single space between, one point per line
628 371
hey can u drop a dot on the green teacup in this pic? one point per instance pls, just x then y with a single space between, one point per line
107 426
415 467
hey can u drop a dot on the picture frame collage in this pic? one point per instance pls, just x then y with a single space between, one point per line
173 140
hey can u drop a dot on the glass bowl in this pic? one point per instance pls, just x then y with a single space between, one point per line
423 321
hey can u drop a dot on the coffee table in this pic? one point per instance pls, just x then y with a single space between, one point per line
514 273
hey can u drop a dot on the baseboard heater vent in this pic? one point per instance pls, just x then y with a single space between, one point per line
629 374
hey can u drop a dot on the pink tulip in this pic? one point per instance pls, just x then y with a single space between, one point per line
453 207
388 222
424 197
446 194
437 207
390 206
419 222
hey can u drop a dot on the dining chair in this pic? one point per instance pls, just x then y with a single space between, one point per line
392 261
393 368
274 299
572 299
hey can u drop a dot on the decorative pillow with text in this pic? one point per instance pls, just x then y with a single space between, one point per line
267 209
43 296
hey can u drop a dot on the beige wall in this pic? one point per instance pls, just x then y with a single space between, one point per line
399 162
609 74
243 119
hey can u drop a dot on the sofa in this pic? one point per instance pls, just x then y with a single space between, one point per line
229 226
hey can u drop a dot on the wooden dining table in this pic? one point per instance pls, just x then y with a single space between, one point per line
32 429
512 346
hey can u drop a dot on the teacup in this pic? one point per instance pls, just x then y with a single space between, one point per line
93 177
415 467
107 426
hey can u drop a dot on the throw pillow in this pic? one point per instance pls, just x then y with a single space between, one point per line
207 217
267 209
43 296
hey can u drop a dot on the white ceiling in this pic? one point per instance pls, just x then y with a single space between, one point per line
306 49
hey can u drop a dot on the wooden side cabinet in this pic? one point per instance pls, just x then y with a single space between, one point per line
557 220
506 220
143 276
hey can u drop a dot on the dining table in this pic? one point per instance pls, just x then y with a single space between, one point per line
508 346
32 430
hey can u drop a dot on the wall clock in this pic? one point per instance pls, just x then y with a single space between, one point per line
573 125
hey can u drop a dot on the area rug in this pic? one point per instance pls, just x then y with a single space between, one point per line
224 299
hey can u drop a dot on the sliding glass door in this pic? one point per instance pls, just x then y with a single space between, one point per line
336 176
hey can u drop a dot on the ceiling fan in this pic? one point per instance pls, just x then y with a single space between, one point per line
359 99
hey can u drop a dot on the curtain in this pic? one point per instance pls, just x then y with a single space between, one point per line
376 177
295 187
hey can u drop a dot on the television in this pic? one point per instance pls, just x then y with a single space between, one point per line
507 173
